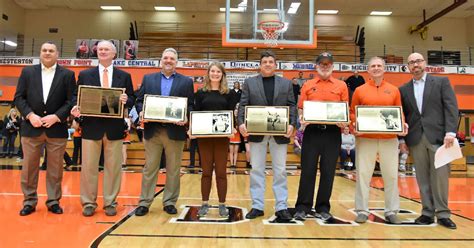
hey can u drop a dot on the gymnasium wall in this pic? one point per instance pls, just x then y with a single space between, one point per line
393 31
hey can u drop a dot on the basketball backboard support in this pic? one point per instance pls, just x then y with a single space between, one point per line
244 18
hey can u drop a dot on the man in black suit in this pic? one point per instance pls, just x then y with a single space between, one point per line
431 111
97 131
44 98
170 136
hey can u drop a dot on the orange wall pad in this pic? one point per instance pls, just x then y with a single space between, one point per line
463 84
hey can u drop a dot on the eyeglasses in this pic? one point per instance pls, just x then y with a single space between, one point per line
418 61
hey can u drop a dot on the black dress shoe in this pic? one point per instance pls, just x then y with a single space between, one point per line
55 209
27 210
424 220
254 213
141 211
283 215
447 222
170 209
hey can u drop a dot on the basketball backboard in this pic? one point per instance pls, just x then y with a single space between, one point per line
250 23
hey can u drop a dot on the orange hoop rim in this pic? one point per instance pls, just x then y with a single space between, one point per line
268 27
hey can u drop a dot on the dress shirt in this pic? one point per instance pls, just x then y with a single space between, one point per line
110 71
47 76
166 83
418 89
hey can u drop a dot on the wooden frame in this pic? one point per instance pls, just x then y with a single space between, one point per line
164 108
267 120
318 112
211 123
379 119
100 102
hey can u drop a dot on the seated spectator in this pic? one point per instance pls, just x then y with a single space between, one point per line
347 149
298 141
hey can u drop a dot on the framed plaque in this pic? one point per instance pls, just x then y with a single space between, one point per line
325 112
267 120
211 123
379 119
100 102
164 108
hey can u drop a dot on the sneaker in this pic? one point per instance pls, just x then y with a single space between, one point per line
203 210
88 211
323 216
401 168
110 211
393 219
361 218
300 215
223 211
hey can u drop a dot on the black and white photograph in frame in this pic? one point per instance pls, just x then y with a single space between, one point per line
319 112
267 120
100 102
379 119
164 108
211 123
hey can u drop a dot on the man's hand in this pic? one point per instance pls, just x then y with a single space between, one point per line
448 141
190 136
123 98
243 130
35 120
76 111
403 148
50 120
405 130
302 122
182 123
290 131
341 124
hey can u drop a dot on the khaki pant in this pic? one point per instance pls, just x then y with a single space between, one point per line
366 152
32 148
90 171
153 150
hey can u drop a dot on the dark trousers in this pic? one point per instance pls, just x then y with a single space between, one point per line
9 143
76 154
193 146
344 156
323 143
214 157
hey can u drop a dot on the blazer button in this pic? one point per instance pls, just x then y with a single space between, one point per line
45 112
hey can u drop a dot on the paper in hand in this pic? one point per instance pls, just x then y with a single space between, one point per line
445 155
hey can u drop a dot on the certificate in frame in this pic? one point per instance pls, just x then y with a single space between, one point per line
318 112
379 119
211 123
267 120
100 102
158 108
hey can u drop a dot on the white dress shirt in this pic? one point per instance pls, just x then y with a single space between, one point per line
47 76
110 71
419 88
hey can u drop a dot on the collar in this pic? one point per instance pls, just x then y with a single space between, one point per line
109 68
371 82
422 79
52 68
172 75
331 79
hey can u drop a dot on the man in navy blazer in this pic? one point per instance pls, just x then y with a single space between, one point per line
170 136
98 131
431 111
44 98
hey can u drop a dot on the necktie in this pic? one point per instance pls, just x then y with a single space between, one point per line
105 79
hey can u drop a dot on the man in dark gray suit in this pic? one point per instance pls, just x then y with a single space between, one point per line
431 111
267 89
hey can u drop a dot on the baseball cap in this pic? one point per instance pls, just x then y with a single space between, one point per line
324 55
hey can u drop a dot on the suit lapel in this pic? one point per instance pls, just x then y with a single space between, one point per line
55 82
39 81
174 85
277 88
158 83
115 79
96 77
411 96
261 90
427 91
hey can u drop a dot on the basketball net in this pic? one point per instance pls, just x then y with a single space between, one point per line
271 31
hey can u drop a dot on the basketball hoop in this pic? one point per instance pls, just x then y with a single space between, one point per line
270 31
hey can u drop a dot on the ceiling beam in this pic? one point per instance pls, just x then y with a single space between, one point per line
443 12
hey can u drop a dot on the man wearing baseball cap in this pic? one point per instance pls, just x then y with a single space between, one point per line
320 142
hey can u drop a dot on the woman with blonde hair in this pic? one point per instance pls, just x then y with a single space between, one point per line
10 131
214 96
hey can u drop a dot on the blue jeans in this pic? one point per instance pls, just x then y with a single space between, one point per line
258 154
